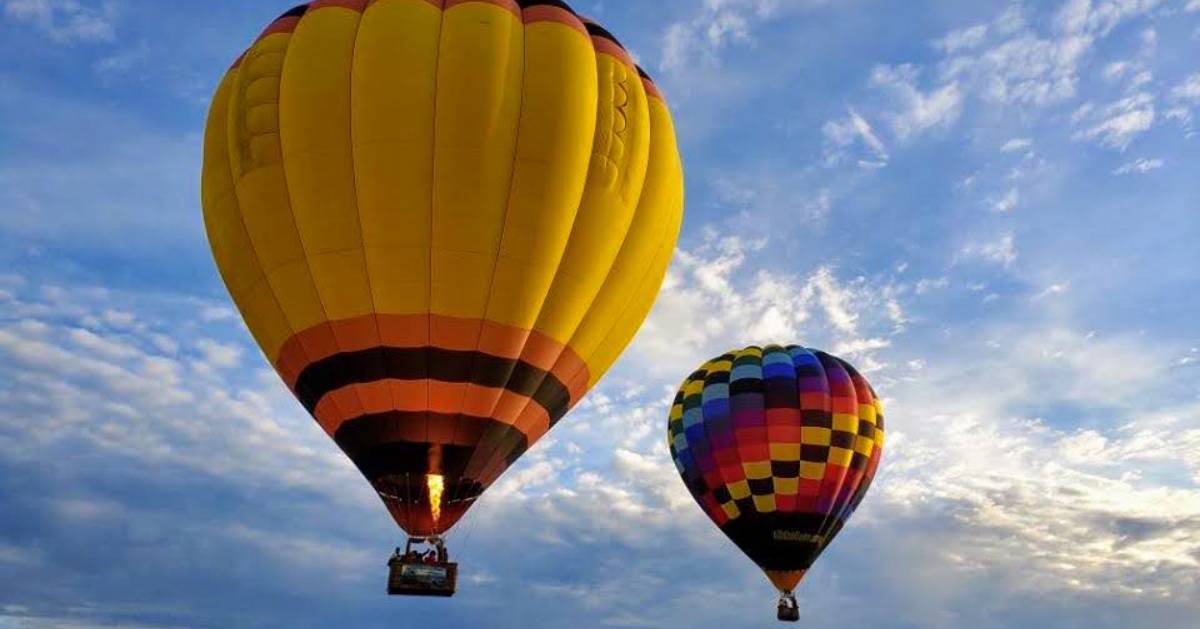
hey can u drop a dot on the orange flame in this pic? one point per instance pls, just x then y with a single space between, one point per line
436 485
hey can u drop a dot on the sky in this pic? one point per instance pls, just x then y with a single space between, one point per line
989 207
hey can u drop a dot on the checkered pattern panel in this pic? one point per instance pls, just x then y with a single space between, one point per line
777 430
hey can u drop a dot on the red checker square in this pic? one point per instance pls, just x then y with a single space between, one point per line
755 452
726 457
806 504
787 504
733 473
808 487
814 401
750 436
713 479
845 404
783 417
784 434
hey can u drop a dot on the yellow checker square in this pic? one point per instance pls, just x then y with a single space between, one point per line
864 446
815 436
845 422
787 486
731 510
866 412
785 452
721 365
676 412
840 456
757 470
812 471
879 438
694 387
764 504
739 490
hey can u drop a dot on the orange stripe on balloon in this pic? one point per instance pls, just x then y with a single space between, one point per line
508 5
548 13
382 396
452 333
282 25
609 47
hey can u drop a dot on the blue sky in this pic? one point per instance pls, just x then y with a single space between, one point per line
990 207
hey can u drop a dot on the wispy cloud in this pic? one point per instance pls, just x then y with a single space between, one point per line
66 21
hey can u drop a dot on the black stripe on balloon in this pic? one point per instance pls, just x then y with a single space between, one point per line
295 11
595 30
525 4
443 365
394 444
777 540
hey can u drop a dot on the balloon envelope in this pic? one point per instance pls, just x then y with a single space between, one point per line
778 445
442 221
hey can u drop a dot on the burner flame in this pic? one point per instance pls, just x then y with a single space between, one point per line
437 485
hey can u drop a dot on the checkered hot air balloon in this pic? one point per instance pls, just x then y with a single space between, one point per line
778 445
442 221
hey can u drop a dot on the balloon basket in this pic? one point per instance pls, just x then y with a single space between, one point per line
789 610
413 573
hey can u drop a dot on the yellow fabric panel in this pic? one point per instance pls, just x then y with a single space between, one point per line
845 422
231 246
815 435
785 452
694 387
864 446
787 486
866 413
256 158
812 471
840 456
739 490
478 108
615 178
731 510
635 313
558 118
764 504
222 218
394 82
651 227
314 121
757 470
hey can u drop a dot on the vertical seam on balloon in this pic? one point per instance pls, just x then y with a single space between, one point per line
490 460
287 187
633 218
362 234
512 172
230 105
437 65
566 346
828 518
668 241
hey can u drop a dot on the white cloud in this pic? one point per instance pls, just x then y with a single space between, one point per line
66 21
854 129
1002 251
1008 202
1118 124
1188 91
1139 166
962 39
918 111
219 355
1016 144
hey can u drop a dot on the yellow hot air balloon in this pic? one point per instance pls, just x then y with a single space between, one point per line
442 221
